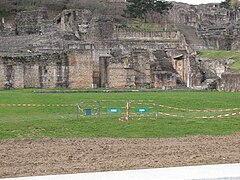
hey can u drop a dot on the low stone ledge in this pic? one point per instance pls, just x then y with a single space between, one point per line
115 91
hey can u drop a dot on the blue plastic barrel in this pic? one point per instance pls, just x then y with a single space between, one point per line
88 112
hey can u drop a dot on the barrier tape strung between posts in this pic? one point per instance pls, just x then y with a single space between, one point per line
159 105
191 110
138 103
113 101
37 105
202 117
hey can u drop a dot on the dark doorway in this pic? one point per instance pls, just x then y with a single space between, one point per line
103 79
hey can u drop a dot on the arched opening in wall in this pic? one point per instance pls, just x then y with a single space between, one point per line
59 74
9 74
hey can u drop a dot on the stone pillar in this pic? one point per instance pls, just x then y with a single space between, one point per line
189 80
1 22
18 76
52 80
103 72
2 76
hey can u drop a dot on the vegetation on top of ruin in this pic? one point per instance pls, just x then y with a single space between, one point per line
225 4
230 4
135 8
8 8
221 54
141 8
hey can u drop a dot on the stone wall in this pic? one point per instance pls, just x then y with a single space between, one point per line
60 58
141 69
213 68
130 71
206 72
74 20
101 28
34 71
141 35
80 69
205 14
29 22
78 50
216 26
163 71
46 43
229 82
47 70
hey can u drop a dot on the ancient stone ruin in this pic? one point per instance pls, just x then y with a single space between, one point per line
77 49
207 26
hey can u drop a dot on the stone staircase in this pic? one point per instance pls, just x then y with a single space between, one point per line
191 37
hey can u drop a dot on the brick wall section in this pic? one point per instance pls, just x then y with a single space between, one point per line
164 79
30 75
80 69
45 71
117 76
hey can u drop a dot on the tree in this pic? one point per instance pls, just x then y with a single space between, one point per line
56 5
235 6
140 8
225 4
162 6
96 6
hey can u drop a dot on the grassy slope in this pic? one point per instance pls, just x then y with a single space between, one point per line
214 54
61 122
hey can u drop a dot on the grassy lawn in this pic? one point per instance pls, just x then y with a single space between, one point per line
62 122
220 54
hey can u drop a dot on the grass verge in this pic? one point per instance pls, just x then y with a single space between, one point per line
62 122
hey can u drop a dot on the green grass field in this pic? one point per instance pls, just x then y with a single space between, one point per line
62 122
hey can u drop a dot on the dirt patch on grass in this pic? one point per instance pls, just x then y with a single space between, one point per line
60 156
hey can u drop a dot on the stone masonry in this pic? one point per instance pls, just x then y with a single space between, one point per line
78 50
216 26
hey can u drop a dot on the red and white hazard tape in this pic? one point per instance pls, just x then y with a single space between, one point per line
37 105
173 115
191 110
219 116
202 117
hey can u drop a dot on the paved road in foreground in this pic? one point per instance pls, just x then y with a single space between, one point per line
208 172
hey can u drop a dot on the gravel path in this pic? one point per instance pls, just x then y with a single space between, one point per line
60 156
